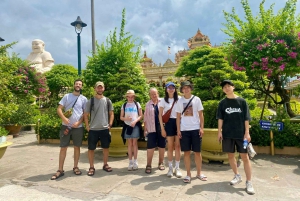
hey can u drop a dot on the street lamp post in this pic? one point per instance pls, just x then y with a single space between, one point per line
78 24
1 39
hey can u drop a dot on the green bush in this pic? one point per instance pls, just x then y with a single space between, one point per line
49 125
210 111
288 137
3 131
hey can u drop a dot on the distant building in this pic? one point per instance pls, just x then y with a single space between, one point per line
159 74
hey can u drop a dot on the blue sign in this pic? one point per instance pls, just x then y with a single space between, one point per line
268 125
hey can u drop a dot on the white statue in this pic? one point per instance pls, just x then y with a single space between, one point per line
39 58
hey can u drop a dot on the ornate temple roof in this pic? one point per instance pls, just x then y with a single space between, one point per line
168 62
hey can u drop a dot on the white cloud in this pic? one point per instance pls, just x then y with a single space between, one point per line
159 24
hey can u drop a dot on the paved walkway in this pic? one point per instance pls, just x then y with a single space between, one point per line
26 168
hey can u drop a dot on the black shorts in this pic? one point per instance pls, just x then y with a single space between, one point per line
96 135
155 140
230 145
171 128
191 140
76 133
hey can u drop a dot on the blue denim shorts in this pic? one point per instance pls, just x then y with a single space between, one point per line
135 133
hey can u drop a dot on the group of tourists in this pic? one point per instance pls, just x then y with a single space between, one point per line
172 120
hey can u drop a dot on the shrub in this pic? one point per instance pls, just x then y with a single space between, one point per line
3 131
210 111
49 125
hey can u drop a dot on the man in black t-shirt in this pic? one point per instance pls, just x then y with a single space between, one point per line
233 127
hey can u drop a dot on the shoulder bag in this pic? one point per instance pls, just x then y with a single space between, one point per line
166 116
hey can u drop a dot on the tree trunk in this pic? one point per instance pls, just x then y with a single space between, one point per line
289 109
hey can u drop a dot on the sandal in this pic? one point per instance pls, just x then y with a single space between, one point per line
187 179
202 177
91 171
59 173
148 169
161 166
77 171
107 168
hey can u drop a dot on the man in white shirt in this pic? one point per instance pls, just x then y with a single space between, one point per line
190 124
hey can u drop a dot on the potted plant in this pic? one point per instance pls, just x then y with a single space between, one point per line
25 114
3 143
3 134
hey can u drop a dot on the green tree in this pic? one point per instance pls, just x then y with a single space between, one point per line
266 47
19 83
61 77
211 68
116 63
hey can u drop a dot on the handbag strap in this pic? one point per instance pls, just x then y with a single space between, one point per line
75 101
187 105
172 105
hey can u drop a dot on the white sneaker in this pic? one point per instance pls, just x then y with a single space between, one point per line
135 165
170 172
130 166
178 173
249 188
236 180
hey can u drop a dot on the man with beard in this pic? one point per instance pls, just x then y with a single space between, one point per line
74 103
101 114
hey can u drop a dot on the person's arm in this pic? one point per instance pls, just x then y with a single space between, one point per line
178 118
86 114
163 131
220 125
145 123
247 133
247 119
111 118
61 115
77 123
201 117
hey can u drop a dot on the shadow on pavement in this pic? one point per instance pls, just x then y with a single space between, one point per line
221 186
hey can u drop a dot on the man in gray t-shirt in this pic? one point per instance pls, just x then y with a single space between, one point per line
71 126
100 110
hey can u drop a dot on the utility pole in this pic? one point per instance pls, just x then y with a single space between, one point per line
93 27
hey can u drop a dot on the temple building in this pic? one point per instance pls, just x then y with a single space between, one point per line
160 74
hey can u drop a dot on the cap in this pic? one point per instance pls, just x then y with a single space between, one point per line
99 84
226 82
129 92
170 84
185 83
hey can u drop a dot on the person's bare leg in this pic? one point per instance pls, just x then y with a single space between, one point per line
76 156
232 163
62 157
105 155
198 162
247 165
150 153
161 155
177 149
135 148
187 162
91 154
170 148
129 148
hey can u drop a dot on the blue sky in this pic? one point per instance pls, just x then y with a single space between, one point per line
158 23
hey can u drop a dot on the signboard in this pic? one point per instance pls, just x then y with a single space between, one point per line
268 125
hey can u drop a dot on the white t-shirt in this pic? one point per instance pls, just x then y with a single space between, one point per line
190 118
131 111
168 106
